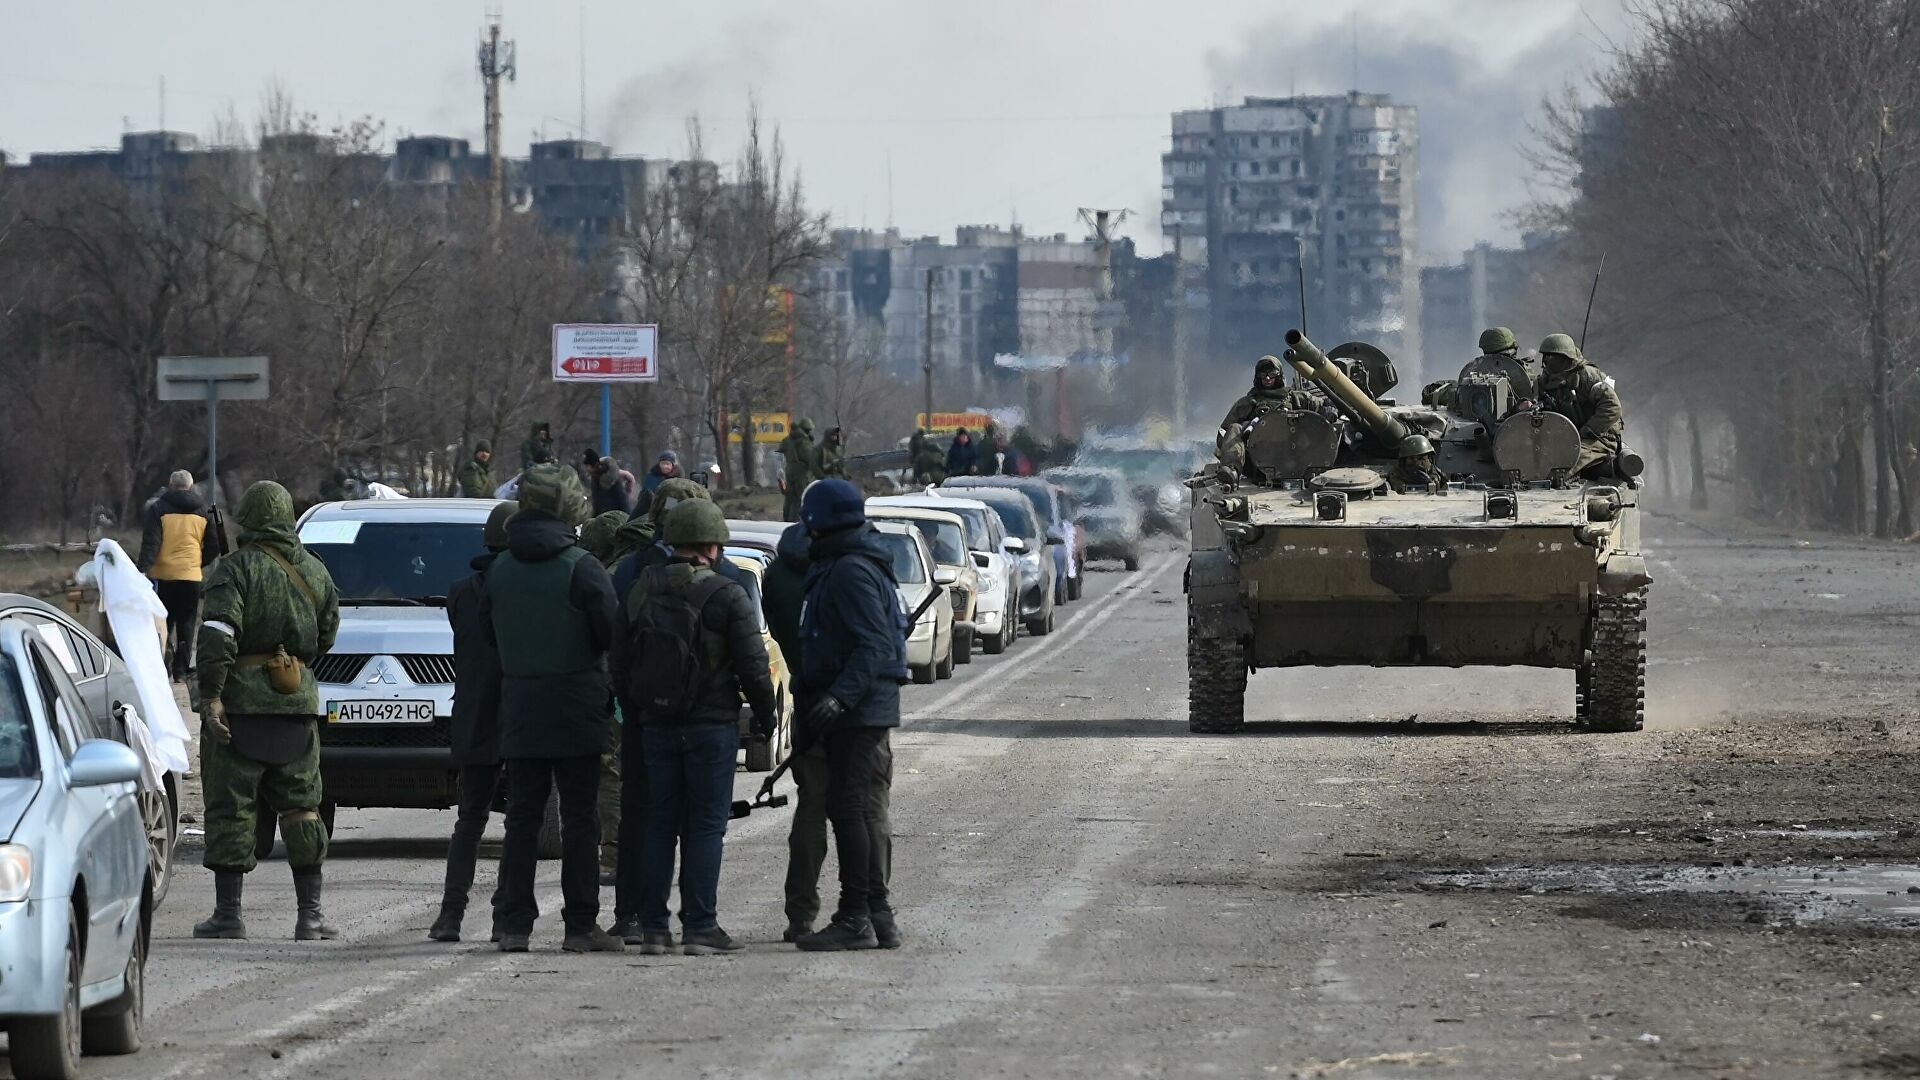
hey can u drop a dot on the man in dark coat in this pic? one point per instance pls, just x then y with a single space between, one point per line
963 457
614 488
476 728
550 612
853 660
690 742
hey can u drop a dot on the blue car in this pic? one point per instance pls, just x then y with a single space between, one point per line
76 880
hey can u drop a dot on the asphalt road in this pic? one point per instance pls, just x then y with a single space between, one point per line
1087 890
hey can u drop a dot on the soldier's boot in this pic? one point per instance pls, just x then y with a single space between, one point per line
592 939
841 935
311 924
225 920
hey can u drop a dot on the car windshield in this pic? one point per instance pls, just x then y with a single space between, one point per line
1090 489
906 560
977 530
17 757
1016 515
391 562
943 539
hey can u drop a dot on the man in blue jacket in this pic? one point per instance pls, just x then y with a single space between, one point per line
853 660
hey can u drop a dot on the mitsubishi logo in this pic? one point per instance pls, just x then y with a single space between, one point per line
382 674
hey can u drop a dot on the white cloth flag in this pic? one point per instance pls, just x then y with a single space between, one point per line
134 611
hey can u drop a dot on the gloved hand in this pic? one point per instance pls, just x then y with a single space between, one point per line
823 714
213 721
763 726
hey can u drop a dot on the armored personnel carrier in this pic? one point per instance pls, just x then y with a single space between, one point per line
1316 542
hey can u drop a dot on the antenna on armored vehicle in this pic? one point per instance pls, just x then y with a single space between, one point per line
1300 271
1595 291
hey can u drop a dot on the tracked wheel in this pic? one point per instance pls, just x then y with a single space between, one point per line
1612 686
1216 685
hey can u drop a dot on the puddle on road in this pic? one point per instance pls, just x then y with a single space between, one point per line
1885 894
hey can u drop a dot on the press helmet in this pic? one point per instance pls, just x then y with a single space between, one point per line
832 504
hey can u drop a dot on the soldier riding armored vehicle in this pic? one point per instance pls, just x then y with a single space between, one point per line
1342 529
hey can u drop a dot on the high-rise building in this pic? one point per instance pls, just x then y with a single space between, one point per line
1252 193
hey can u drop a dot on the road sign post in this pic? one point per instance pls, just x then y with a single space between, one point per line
213 379
606 353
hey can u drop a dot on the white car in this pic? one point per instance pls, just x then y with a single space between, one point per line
387 683
953 569
996 603
997 554
930 638
76 881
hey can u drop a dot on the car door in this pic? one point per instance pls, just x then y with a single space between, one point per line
103 822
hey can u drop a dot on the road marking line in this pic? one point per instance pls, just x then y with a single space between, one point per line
308 1053
1003 677
1684 581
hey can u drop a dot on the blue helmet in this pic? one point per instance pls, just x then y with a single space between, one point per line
832 504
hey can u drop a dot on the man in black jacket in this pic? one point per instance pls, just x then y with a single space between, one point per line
549 611
853 659
691 648
476 727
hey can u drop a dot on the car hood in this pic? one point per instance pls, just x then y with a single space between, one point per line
395 630
15 796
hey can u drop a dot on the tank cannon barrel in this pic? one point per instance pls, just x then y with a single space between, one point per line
1313 364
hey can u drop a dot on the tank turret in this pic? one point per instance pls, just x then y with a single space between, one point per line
1313 364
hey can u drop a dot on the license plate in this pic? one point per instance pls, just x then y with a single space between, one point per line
379 712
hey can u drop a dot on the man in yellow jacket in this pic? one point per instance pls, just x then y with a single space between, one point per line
175 545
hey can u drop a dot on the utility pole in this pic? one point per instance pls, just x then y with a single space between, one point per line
926 364
1179 336
496 61
1103 222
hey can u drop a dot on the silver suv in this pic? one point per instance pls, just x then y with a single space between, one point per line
387 685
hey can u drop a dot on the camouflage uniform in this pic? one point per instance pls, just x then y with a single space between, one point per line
260 749
600 534
537 449
1585 395
1230 440
830 457
797 451
476 476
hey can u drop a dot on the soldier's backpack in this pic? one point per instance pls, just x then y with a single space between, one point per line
673 658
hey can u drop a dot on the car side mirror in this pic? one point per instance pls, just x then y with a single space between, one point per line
945 575
981 560
100 762
1016 545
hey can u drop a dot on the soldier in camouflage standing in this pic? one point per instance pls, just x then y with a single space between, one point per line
797 451
476 476
830 457
270 609
1585 395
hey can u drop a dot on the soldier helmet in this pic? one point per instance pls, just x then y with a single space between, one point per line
264 506
1560 345
495 533
671 493
832 504
1414 446
804 426
553 489
1497 339
696 521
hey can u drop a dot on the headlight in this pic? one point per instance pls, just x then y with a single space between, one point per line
16 873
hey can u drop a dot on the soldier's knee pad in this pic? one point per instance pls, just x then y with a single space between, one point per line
306 837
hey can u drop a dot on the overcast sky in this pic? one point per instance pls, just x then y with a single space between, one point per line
907 112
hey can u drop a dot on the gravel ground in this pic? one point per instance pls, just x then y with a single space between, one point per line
1088 890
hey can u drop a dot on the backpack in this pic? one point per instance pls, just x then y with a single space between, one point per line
673 661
